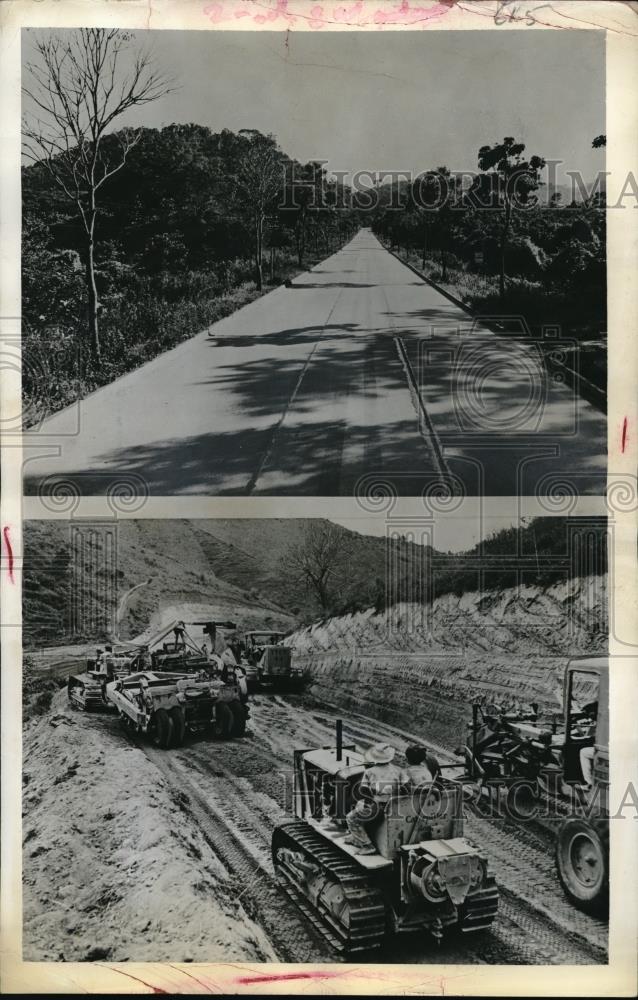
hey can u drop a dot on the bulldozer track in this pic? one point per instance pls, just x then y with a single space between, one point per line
367 919
535 924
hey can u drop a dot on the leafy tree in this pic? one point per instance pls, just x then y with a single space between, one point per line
510 181
78 91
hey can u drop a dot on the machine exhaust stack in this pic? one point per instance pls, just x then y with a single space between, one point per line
339 727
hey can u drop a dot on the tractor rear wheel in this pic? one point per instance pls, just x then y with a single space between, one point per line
582 861
163 734
239 718
179 725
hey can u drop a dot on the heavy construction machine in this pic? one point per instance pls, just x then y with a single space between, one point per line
165 706
166 688
556 767
268 663
87 690
424 877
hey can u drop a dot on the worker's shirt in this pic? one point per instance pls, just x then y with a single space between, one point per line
419 774
382 781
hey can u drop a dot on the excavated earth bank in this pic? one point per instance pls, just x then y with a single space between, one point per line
422 667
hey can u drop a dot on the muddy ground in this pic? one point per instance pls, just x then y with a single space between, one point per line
204 887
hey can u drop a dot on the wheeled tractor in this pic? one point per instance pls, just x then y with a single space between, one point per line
563 765
268 663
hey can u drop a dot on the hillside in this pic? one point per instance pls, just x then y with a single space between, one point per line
236 564
242 568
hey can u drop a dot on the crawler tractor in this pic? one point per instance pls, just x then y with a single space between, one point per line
268 663
424 877
87 690
166 706
539 765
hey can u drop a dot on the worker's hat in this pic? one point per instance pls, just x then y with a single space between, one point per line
379 753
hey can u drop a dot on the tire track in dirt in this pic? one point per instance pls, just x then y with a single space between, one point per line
239 791
522 861
294 939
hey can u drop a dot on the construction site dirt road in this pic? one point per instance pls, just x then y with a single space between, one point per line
237 792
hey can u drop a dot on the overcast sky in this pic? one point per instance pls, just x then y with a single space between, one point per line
395 101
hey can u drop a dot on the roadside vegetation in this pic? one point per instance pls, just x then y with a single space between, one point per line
175 254
531 255
134 240
37 690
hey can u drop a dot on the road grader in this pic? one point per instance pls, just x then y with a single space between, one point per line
555 769
424 877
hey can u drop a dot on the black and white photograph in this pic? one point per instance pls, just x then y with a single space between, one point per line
319 512
291 740
274 263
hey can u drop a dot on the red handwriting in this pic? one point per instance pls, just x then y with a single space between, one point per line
7 542
624 435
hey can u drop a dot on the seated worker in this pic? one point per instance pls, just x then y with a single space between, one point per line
417 770
380 781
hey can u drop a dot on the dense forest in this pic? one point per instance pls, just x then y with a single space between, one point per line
186 233
197 224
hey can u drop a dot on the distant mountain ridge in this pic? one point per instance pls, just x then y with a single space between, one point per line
241 565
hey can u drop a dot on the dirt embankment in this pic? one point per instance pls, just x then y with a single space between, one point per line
423 666
114 864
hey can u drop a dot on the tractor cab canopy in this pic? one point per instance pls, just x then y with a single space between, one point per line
586 701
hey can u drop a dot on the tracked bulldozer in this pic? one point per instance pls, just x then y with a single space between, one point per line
425 876
556 767
268 662
87 690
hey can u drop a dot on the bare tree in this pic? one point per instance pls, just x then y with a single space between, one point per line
78 89
259 178
317 562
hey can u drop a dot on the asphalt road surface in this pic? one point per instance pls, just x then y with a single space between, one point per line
360 373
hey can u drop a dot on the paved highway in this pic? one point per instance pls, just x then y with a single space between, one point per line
359 369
